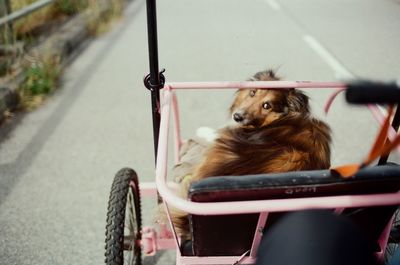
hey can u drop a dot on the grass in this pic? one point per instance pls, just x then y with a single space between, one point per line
40 79
60 9
99 27
70 7
27 24
5 64
41 75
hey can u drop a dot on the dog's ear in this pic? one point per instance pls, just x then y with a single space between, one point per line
298 101
267 75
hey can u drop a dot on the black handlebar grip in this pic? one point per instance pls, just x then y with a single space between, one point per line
368 92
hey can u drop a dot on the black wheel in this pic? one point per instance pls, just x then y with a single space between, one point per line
124 223
394 237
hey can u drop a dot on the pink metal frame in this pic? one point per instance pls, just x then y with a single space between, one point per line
375 111
166 239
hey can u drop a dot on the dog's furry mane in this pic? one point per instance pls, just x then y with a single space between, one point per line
286 145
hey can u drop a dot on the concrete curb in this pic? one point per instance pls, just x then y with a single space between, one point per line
66 43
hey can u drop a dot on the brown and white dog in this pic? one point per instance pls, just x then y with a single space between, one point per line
274 132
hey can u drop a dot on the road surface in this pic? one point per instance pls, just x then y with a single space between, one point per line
57 164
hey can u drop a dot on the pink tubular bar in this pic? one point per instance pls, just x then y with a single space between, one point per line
253 84
375 111
250 206
167 191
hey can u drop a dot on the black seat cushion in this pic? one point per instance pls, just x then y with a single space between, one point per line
233 234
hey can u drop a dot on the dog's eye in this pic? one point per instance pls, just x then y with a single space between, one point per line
266 105
252 93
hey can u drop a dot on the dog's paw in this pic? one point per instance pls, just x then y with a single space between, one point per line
207 133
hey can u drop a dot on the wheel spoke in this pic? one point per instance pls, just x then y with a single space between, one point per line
131 229
131 208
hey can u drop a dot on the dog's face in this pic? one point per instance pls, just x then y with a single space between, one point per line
260 107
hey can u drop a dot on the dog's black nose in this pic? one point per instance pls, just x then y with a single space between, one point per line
238 117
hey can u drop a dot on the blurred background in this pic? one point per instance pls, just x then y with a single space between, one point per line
74 109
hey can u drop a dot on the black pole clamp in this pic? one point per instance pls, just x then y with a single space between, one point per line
152 87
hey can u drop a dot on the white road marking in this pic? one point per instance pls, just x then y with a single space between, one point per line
274 5
340 71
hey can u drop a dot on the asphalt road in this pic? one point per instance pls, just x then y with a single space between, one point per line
57 164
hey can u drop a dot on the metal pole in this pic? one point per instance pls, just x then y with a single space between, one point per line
24 11
7 35
155 81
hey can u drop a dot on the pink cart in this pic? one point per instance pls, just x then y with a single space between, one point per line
235 211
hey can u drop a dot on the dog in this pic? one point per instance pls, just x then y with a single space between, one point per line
274 132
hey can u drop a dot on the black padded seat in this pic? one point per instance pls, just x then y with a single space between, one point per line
232 235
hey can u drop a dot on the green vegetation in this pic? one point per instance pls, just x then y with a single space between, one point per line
40 79
59 10
70 7
98 27
27 27
41 75
5 64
